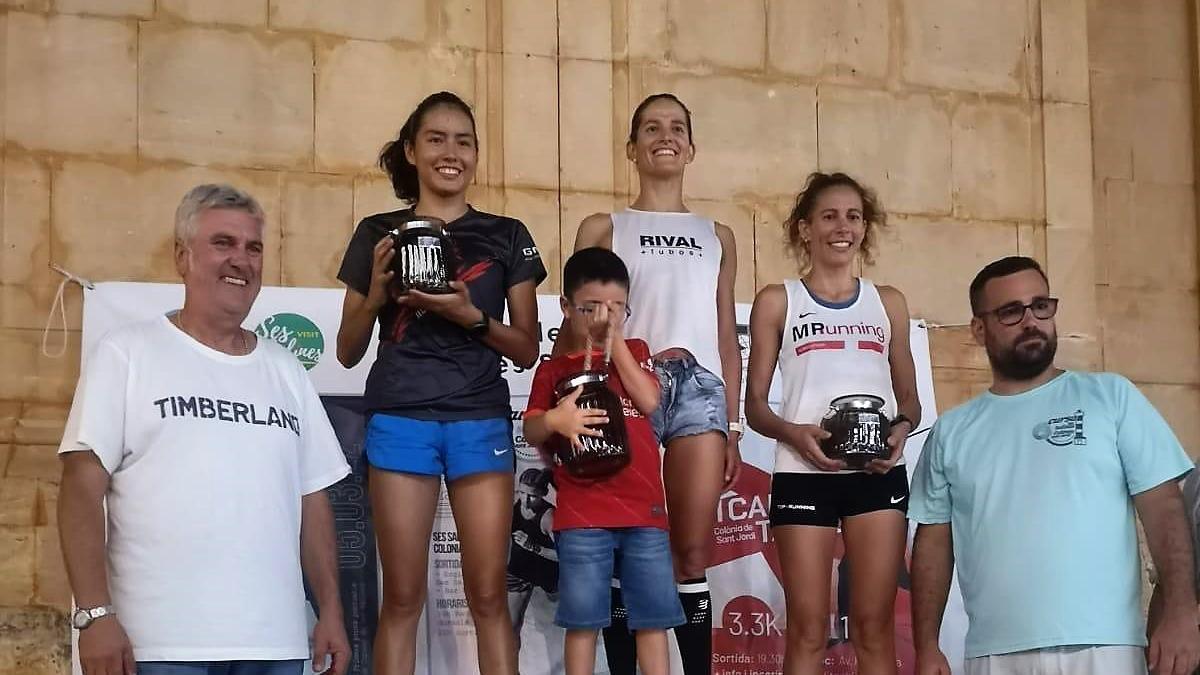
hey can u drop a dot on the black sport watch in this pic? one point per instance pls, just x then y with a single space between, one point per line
479 329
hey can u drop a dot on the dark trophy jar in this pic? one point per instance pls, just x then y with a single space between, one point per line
858 430
424 258
600 455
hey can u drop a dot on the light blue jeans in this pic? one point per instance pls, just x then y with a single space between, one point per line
693 400
641 557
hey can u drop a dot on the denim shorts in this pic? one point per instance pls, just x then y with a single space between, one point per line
642 557
693 399
430 448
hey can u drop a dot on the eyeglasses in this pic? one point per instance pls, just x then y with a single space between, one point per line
1012 313
593 306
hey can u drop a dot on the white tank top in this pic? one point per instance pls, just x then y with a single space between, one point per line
830 350
674 260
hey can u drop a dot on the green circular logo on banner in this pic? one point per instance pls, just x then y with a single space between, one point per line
297 334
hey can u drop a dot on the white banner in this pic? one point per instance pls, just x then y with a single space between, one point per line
303 319
746 592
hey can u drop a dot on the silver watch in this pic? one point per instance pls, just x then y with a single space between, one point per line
82 618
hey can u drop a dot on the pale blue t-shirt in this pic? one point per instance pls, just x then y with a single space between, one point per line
1037 489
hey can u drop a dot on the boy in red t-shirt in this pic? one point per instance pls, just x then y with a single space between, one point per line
620 518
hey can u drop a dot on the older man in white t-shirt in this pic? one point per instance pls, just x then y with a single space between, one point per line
212 451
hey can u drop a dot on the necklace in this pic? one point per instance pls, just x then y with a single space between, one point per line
177 319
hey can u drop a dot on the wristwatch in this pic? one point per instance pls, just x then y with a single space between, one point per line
479 329
737 428
82 618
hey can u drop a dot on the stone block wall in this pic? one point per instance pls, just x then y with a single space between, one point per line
1061 129
1143 68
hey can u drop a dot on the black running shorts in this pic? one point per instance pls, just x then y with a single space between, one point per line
823 499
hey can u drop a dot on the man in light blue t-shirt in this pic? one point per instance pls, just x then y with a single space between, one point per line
1031 489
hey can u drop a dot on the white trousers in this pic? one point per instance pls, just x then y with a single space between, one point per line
1074 660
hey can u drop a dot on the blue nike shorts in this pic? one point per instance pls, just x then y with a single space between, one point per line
431 448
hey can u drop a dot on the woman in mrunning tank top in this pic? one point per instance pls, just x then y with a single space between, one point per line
682 269
832 334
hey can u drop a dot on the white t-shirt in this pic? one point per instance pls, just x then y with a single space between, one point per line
209 455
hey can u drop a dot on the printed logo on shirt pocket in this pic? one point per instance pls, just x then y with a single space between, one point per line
297 334
1062 431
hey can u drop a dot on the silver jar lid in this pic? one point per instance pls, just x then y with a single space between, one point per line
421 223
857 402
569 383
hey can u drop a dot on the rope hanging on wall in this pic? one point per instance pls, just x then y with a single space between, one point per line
61 305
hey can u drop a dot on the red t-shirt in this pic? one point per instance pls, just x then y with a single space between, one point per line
633 496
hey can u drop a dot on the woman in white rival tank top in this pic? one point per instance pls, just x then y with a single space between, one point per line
682 268
833 334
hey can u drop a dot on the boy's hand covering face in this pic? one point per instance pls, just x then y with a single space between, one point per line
595 309
602 318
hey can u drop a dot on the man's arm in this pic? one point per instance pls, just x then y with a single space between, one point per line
1174 640
81 526
318 558
932 571
103 646
1191 503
